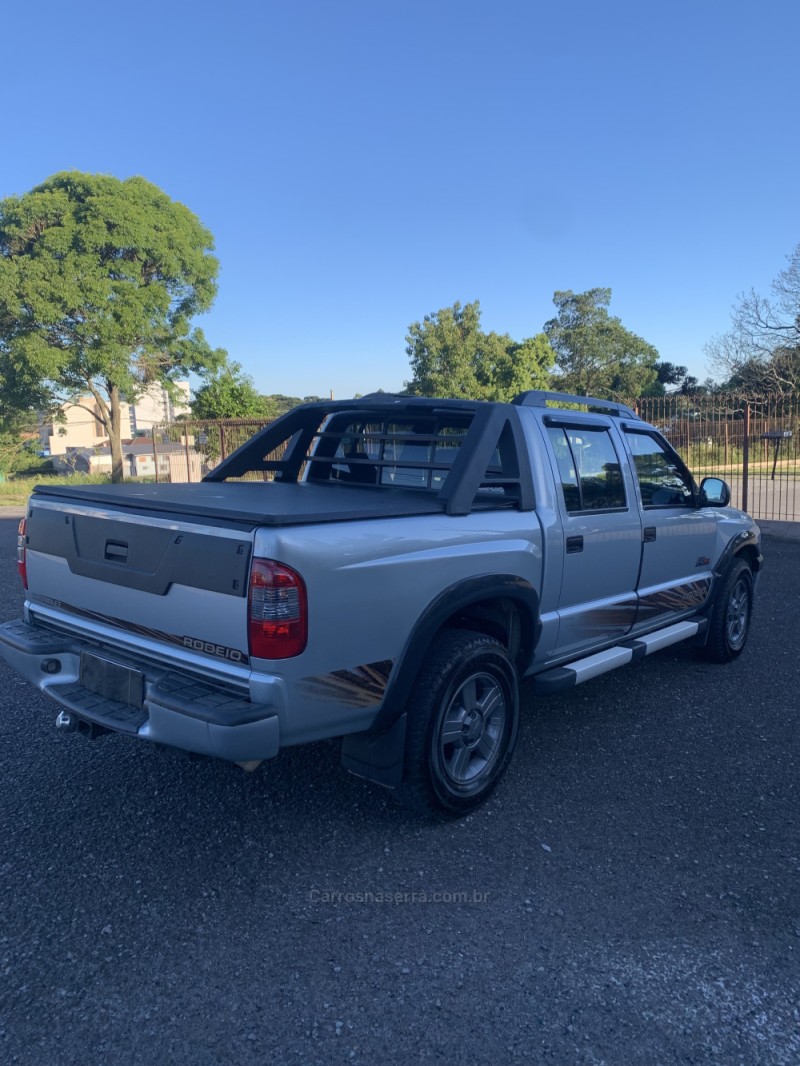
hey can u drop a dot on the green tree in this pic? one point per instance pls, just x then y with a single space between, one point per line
670 373
18 420
230 393
99 282
450 355
596 354
17 440
675 375
280 404
778 372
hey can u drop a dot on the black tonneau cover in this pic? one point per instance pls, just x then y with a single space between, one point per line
251 504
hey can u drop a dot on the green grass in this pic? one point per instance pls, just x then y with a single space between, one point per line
789 469
15 492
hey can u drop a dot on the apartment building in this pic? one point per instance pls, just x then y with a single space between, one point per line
81 429
156 406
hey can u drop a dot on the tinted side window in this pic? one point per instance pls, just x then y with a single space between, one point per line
661 482
589 468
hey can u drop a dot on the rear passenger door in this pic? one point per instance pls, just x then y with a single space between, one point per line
602 533
679 537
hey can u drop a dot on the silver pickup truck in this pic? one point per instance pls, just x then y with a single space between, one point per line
385 570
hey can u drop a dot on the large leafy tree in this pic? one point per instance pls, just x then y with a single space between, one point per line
230 393
451 355
99 281
20 399
596 354
17 431
761 351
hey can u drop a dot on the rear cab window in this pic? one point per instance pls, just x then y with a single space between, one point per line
413 453
402 454
588 466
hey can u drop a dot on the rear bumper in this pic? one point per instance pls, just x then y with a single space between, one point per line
176 708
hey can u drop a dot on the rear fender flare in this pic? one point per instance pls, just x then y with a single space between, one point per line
447 606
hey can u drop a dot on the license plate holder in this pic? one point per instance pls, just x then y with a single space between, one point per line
112 680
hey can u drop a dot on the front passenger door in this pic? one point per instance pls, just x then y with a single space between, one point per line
678 537
602 536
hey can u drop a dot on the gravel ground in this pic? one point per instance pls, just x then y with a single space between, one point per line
630 894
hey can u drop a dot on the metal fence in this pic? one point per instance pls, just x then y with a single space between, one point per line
187 451
750 441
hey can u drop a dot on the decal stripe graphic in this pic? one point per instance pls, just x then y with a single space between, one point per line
362 686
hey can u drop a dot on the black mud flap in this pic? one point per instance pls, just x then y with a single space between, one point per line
377 757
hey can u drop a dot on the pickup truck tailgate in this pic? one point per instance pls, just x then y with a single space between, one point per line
176 581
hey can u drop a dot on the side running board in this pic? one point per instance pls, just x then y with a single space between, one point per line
565 677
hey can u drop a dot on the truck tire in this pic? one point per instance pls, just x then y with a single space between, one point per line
729 621
462 724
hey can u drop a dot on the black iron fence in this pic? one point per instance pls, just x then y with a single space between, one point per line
187 451
751 442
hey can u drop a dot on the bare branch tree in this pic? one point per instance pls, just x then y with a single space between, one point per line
761 351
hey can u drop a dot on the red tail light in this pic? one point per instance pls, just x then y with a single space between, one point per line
22 567
278 611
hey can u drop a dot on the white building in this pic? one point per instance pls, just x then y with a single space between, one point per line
81 429
157 406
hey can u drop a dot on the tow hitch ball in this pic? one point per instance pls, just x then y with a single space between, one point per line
70 723
66 722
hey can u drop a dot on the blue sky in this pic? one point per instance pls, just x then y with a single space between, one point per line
362 164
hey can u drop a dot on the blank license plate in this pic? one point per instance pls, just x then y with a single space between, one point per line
112 680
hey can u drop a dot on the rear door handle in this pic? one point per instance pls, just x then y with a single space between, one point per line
574 545
649 534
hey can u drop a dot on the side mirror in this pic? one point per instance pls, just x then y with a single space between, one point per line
714 492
